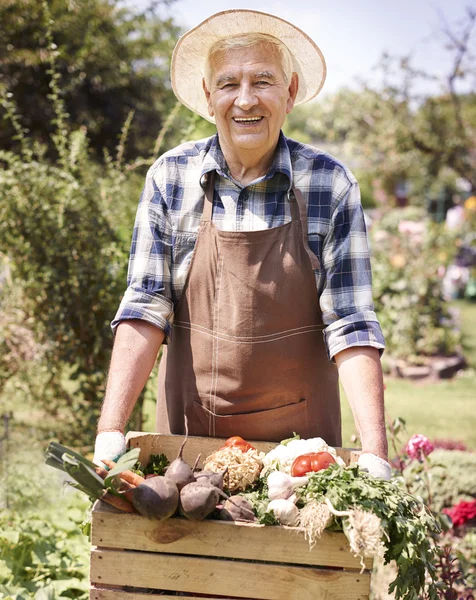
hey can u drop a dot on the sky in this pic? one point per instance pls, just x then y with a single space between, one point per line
352 34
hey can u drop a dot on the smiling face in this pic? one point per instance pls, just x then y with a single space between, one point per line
249 98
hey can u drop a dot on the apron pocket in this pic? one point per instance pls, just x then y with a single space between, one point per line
272 425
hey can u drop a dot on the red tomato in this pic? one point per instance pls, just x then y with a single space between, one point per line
238 442
312 462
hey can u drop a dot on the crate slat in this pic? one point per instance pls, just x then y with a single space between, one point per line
98 593
112 529
259 581
155 443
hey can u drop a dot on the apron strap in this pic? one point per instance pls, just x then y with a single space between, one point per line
300 202
297 206
208 202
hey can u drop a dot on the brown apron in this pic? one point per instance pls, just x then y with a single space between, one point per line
247 354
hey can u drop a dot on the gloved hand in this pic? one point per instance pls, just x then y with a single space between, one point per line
109 445
376 466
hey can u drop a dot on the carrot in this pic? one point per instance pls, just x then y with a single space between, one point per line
128 476
126 489
118 503
101 472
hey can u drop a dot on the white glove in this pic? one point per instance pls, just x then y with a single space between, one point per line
109 445
376 466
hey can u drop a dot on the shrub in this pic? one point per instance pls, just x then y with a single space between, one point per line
43 553
407 256
453 478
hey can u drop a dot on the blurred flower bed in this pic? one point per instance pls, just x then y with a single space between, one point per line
410 254
445 480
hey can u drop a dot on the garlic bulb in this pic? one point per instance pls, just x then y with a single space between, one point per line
281 485
285 511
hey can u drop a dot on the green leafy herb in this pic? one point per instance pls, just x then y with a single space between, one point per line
157 465
407 523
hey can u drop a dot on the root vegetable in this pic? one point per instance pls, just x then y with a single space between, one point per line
313 519
178 470
118 503
362 528
127 475
237 508
215 479
156 498
198 500
101 472
243 467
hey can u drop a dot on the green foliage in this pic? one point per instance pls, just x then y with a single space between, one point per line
407 524
452 478
407 286
67 268
465 549
44 555
157 465
111 58
65 223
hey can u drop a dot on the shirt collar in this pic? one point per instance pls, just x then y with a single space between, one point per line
215 161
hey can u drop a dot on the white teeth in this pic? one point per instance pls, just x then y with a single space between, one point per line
247 119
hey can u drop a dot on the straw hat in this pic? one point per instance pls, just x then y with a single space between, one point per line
190 54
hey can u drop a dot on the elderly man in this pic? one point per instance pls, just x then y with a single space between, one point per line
249 260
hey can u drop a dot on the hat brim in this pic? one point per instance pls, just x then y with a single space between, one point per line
189 57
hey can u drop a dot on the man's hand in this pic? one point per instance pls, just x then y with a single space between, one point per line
376 466
110 445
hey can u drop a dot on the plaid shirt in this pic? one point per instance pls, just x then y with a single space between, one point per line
168 219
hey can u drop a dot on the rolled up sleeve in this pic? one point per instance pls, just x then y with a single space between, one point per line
148 295
346 299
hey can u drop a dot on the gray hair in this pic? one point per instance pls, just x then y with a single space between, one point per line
248 40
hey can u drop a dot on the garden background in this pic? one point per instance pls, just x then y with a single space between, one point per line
86 107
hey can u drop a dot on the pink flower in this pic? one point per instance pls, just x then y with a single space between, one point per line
462 512
418 446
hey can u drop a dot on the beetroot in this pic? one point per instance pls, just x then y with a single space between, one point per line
156 498
237 508
215 479
178 470
198 500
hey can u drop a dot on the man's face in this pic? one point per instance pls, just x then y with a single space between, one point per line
249 98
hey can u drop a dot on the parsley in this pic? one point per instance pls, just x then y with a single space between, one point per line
157 465
407 523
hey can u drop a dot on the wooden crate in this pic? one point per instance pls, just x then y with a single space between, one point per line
134 558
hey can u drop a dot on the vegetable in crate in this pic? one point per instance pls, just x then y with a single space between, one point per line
237 508
238 442
94 481
243 467
283 456
198 500
156 498
179 471
373 513
311 462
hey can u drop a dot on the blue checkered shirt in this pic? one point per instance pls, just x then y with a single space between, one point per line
168 218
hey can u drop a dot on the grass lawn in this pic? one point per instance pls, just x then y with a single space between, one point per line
444 409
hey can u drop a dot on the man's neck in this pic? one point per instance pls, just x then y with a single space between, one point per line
246 166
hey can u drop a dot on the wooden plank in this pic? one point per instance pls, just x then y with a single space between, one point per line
96 593
113 529
155 443
259 581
